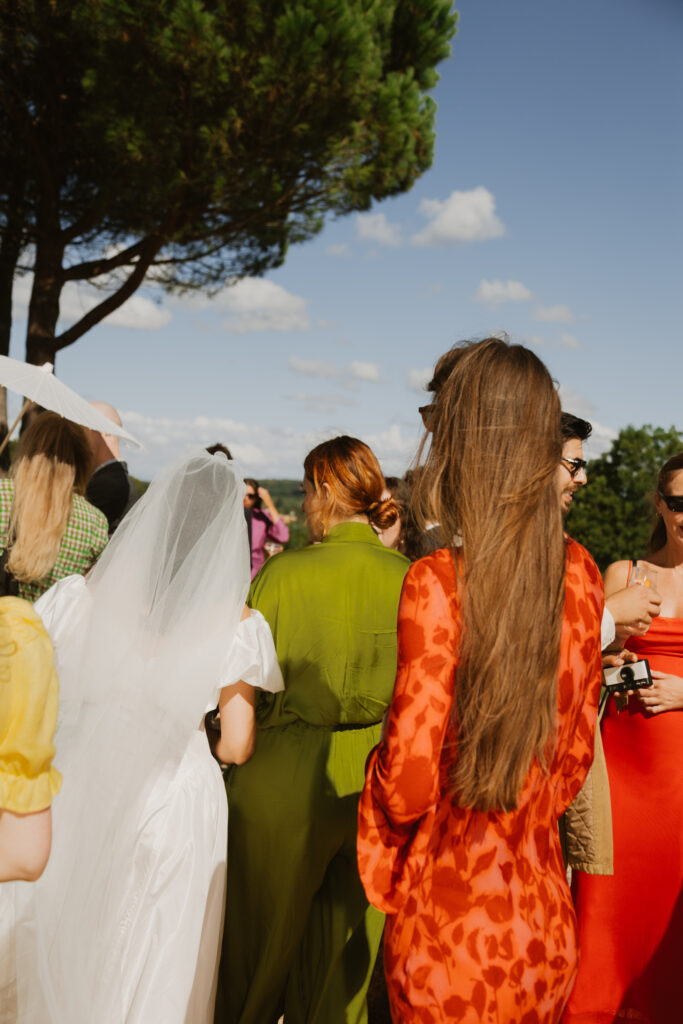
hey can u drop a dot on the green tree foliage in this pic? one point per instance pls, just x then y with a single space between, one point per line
191 141
614 515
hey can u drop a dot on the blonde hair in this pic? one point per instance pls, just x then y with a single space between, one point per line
53 461
489 481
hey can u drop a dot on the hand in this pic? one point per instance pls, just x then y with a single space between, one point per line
613 660
666 693
633 609
265 497
618 658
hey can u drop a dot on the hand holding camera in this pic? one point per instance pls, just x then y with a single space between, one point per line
633 676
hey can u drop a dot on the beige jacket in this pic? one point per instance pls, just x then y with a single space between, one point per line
587 822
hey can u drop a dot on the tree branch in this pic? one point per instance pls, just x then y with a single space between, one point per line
86 222
113 301
95 268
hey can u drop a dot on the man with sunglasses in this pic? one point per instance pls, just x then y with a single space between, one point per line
630 611
572 471
586 828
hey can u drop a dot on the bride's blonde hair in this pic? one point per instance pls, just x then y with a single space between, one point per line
489 481
53 461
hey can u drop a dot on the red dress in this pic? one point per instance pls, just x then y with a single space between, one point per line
481 927
631 924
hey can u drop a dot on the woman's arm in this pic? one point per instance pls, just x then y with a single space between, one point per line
404 771
25 841
237 719
265 497
277 529
238 724
632 608
616 577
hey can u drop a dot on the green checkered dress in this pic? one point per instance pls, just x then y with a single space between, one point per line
84 540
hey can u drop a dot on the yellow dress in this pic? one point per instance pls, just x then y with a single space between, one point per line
28 710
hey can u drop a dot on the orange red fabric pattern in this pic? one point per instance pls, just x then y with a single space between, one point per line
480 925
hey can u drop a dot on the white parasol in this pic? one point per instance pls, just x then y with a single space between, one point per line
38 384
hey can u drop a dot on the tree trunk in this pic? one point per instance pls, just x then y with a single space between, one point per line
43 311
10 250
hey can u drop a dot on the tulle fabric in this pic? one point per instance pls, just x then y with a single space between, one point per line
140 650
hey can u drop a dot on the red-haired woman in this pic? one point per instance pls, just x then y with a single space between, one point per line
299 933
490 732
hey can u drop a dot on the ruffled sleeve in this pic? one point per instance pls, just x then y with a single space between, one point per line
252 657
62 606
402 784
28 710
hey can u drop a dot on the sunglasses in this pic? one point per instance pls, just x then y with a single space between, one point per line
674 502
426 412
250 496
574 465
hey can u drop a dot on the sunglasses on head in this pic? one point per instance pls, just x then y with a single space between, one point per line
574 466
674 502
426 412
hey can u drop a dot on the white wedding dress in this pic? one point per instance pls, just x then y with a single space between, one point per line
124 927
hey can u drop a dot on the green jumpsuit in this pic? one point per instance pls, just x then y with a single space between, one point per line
299 933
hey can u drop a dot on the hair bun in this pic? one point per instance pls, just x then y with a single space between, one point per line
383 513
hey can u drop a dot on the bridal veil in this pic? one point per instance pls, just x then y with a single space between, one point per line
141 649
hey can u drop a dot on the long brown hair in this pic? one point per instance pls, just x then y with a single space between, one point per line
53 461
489 481
354 479
658 536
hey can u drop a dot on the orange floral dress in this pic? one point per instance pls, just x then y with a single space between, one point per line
480 925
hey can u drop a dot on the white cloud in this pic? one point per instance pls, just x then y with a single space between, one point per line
364 371
312 367
600 440
394 449
256 304
261 450
339 249
553 314
462 217
418 379
78 299
602 437
569 341
374 227
495 292
251 304
575 403
346 375
537 340
323 404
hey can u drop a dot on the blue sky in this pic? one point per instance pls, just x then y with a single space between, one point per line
552 211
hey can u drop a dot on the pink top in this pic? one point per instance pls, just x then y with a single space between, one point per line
262 529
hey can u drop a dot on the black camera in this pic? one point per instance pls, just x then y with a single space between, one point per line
635 676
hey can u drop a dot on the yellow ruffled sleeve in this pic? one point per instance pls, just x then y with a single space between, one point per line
29 694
